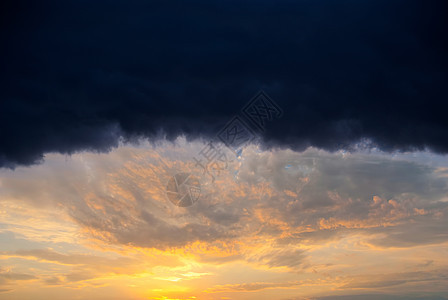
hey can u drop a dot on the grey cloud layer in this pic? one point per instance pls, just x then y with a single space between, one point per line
80 76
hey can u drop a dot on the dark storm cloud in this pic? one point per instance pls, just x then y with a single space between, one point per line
78 75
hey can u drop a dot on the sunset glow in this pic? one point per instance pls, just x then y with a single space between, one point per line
101 225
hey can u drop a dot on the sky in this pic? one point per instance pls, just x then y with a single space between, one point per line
223 150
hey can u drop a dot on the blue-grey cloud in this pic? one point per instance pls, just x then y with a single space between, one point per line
77 75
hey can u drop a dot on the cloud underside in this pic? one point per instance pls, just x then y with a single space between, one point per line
82 79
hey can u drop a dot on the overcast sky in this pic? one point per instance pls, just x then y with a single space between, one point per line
329 178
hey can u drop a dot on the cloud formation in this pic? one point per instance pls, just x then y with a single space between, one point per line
290 198
290 222
81 76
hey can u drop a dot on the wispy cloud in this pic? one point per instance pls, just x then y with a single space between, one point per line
323 218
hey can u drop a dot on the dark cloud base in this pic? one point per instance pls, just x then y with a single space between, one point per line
77 75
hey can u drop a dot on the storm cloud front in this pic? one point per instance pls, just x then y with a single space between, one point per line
79 75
